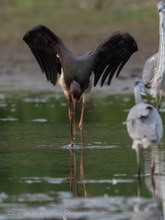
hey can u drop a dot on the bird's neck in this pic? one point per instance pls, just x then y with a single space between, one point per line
138 97
161 60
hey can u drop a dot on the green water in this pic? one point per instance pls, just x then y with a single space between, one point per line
41 178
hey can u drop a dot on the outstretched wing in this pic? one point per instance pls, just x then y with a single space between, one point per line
111 55
46 47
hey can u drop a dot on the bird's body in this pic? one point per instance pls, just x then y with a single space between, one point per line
149 72
154 68
78 68
75 73
144 124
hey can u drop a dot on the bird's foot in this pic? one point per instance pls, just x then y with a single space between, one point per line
72 142
81 133
139 172
152 169
158 105
71 145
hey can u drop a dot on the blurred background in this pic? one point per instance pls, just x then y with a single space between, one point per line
80 23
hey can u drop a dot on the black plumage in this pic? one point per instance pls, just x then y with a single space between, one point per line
56 61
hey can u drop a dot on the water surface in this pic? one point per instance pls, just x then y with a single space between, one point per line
41 178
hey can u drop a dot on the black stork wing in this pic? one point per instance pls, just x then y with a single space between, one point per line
111 55
46 47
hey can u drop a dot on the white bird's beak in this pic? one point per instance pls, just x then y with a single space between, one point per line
144 94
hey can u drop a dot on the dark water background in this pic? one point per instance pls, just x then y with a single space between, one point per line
41 178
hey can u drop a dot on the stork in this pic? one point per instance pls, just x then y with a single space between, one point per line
74 73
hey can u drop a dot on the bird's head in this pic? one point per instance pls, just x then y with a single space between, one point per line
139 85
75 91
161 6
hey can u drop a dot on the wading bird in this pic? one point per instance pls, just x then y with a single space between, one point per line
144 124
154 67
74 73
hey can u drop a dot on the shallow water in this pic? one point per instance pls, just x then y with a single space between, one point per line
41 178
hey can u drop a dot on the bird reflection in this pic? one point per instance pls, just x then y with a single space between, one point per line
74 186
156 183
139 207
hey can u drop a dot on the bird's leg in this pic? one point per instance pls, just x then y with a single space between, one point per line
138 161
82 173
152 165
159 100
71 168
70 115
82 119
152 168
73 174
74 100
138 185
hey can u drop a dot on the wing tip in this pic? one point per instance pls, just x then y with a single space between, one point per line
28 35
128 39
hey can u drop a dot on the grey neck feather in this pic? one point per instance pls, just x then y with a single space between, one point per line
161 60
137 95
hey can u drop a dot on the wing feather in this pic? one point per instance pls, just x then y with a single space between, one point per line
45 46
110 68
111 55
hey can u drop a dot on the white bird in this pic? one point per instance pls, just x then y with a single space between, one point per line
154 68
144 124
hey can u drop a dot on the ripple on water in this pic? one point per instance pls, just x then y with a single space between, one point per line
100 146
50 180
3 104
53 180
35 100
9 118
97 145
40 120
67 207
111 181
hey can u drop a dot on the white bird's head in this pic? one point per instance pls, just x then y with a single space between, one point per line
139 85
161 6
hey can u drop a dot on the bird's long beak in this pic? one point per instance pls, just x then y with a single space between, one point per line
144 94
